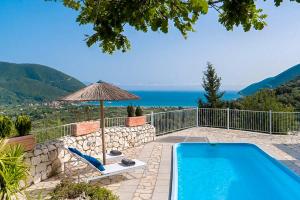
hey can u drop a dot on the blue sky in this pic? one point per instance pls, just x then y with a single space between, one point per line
35 31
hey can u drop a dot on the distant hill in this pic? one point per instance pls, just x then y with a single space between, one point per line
272 82
21 83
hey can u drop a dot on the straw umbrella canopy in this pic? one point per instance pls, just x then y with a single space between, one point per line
100 91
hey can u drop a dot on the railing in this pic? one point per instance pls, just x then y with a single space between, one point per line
115 121
257 121
166 122
212 117
285 122
51 133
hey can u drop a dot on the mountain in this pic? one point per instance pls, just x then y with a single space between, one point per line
272 82
21 83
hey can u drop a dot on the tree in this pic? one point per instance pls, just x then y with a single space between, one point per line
264 100
211 84
201 103
109 17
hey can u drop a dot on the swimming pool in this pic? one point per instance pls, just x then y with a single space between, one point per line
227 171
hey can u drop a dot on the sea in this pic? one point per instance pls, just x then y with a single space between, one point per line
166 99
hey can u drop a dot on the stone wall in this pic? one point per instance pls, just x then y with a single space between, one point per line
44 161
47 159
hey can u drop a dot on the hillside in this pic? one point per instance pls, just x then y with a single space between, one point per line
21 83
273 82
289 93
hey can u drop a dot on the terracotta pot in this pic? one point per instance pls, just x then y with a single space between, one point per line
135 121
85 128
27 141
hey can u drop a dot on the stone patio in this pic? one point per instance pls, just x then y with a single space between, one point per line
153 182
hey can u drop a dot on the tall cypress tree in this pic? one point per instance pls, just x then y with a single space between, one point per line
211 84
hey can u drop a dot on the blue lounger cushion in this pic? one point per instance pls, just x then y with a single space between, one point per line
94 162
76 151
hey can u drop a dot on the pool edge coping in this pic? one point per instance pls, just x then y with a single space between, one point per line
174 177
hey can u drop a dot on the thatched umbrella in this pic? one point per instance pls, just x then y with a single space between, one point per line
101 92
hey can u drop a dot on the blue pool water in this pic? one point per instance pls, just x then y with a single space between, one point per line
205 171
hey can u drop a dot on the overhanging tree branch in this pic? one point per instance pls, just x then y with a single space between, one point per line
108 17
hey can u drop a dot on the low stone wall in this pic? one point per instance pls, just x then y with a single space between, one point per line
47 159
44 161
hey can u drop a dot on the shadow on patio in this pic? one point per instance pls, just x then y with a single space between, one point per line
294 151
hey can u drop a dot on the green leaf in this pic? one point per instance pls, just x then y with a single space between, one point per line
200 6
109 17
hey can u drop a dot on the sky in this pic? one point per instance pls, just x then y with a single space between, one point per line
36 31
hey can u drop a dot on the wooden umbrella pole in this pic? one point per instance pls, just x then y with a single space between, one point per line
102 131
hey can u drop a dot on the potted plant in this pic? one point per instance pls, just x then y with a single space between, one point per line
5 126
23 127
135 117
130 111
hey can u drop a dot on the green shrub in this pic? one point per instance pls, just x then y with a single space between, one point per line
13 169
5 126
138 111
23 125
69 190
130 111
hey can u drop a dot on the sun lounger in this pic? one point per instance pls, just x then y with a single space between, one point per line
110 157
117 168
110 169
